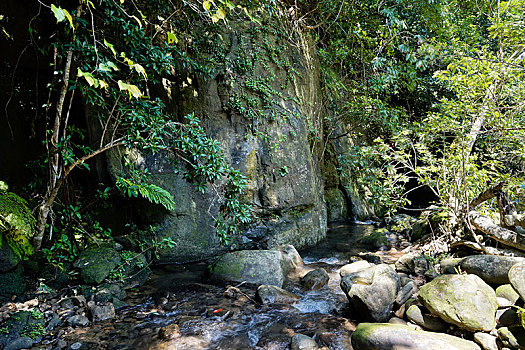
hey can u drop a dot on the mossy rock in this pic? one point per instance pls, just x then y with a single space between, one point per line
11 284
463 300
252 266
23 324
97 262
380 336
377 239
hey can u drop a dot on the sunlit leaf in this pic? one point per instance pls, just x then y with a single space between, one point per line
133 90
172 38
207 5
111 47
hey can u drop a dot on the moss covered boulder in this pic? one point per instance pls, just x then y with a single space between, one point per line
382 336
463 300
252 266
8 257
96 262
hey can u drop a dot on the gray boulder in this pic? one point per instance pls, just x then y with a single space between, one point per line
512 337
315 279
464 300
354 267
252 266
102 312
490 268
303 342
274 295
290 258
372 292
416 315
412 263
450 265
517 279
383 336
487 341
507 292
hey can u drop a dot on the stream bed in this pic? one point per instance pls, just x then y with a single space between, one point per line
181 308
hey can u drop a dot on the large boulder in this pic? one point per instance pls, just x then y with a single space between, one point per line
354 267
290 258
492 269
252 266
464 300
517 279
97 262
372 291
412 263
383 336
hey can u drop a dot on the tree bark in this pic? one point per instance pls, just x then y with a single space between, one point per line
500 234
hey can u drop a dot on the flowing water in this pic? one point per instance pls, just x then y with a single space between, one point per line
209 318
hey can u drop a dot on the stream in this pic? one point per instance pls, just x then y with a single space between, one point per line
193 312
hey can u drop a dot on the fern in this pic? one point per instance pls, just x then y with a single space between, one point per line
150 192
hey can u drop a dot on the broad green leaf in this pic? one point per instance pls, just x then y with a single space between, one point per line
207 5
104 67
220 14
59 14
133 90
172 38
112 65
140 70
111 47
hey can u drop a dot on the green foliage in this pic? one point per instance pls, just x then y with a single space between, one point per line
150 192
62 251
16 222
33 330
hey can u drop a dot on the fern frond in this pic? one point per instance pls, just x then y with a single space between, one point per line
152 193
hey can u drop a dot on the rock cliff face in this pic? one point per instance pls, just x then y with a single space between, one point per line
277 147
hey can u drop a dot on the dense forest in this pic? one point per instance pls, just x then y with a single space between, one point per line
137 134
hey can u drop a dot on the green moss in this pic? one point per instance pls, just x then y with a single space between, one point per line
16 223
33 330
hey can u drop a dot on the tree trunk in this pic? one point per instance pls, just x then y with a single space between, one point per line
500 234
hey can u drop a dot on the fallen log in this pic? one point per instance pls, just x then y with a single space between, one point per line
488 250
500 234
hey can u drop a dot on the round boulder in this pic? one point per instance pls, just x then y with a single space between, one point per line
315 279
274 295
517 279
382 336
464 300
492 269
372 292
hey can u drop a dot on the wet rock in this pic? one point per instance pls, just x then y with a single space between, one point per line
517 279
22 324
412 263
303 342
290 258
487 341
19 343
415 314
96 262
75 346
109 291
512 337
492 269
376 239
507 292
8 258
67 303
78 321
169 332
382 336
464 300
371 292
354 267
315 279
102 312
268 294
450 265
252 266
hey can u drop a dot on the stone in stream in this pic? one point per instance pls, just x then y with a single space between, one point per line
303 342
517 279
415 314
252 266
412 263
383 336
464 300
492 269
507 292
354 267
449 265
487 341
290 258
512 337
315 279
371 292
405 293
274 295
78 321
507 317
96 262
102 312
